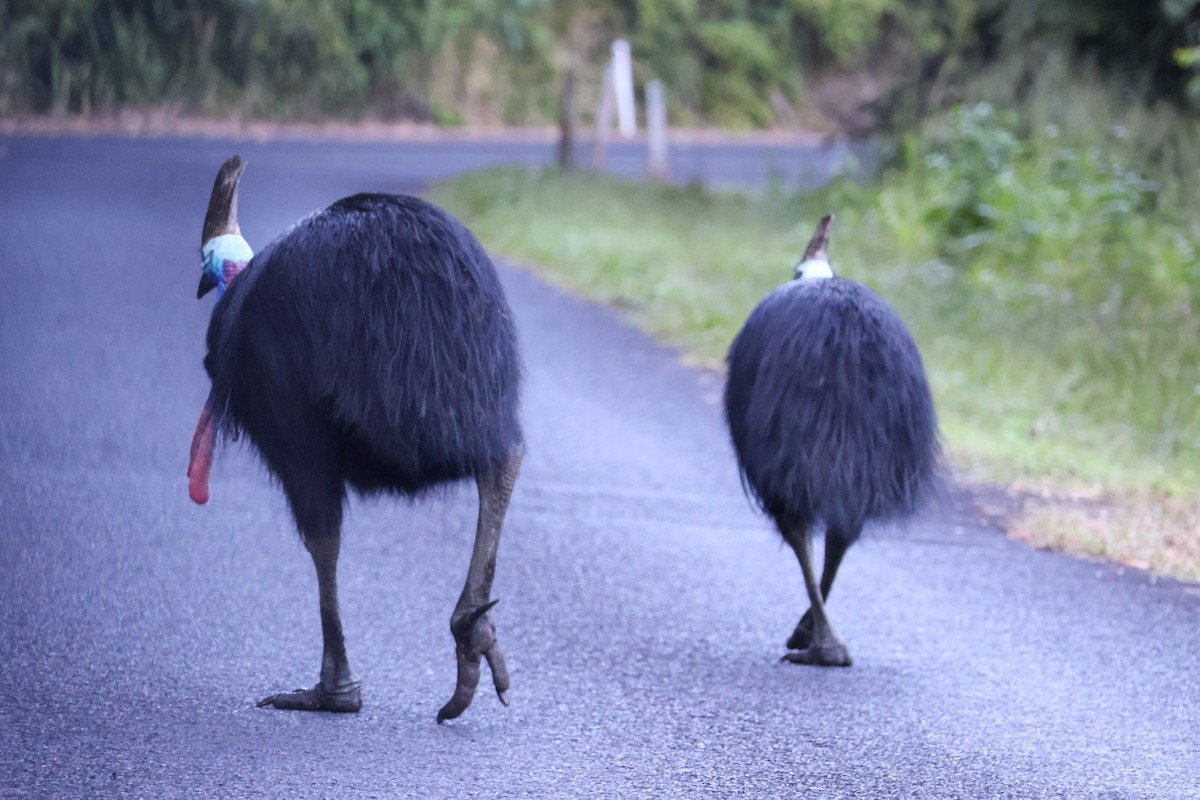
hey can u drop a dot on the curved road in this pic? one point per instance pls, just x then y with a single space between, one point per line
644 606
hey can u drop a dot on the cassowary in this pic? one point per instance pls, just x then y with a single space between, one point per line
831 418
371 347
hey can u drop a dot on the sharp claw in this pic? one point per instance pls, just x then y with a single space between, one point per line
479 612
452 710
503 698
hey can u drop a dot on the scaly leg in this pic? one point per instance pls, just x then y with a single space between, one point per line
471 623
824 649
836 546
338 690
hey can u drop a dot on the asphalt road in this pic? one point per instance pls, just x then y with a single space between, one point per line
644 605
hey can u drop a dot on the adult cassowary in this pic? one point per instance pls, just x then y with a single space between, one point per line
832 421
370 346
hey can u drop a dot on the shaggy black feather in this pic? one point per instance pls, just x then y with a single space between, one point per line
369 345
829 410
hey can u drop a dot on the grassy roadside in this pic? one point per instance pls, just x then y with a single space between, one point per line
1079 410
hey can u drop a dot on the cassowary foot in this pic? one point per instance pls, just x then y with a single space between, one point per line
344 699
802 636
816 644
475 639
829 652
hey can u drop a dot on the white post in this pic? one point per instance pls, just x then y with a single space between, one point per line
656 126
622 62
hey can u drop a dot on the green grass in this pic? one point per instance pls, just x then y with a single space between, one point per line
1051 296
1046 393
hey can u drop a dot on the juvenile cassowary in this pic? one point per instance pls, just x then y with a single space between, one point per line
370 347
832 422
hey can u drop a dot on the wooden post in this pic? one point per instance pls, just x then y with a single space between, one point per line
656 126
566 119
604 120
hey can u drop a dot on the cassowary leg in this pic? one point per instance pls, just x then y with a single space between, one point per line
338 690
471 623
824 648
836 546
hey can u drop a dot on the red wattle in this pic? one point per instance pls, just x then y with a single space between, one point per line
201 458
198 491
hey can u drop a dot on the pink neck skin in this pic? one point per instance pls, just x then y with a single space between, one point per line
231 269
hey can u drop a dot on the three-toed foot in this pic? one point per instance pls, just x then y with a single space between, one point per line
345 698
474 639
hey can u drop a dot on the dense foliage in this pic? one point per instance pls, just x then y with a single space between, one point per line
728 62
289 58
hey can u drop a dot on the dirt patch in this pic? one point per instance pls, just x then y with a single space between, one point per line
1146 530
164 123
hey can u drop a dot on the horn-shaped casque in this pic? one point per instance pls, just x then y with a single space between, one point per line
818 246
222 205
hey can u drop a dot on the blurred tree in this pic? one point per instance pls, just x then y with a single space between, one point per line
737 63
1134 40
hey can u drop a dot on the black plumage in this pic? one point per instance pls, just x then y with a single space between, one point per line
382 319
832 421
371 346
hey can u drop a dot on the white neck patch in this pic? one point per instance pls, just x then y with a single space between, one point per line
813 269
227 247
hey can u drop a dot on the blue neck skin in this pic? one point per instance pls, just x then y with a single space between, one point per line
223 257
